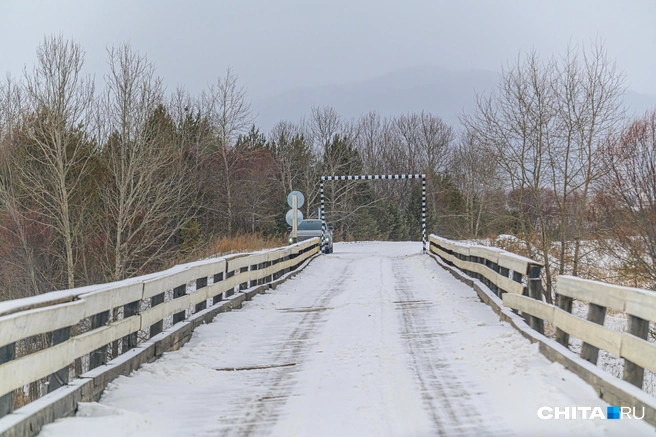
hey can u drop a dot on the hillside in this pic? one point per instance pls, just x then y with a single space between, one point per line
425 88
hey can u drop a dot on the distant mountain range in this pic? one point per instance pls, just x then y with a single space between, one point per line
428 88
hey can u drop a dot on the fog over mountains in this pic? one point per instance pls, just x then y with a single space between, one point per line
428 88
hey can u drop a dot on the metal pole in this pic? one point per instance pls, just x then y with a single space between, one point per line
423 210
294 219
323 218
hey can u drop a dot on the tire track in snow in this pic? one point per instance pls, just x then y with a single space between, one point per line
264 409
447 397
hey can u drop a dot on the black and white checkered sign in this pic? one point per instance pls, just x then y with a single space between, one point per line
379 177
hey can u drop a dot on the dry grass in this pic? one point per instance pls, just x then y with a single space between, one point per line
225 245
513 245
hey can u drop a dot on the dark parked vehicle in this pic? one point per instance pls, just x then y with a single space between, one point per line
310 228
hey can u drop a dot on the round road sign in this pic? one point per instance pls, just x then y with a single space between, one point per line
301 198
289 216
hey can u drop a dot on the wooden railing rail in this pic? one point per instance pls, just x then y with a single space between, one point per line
638 305
495 268
122 314
502 272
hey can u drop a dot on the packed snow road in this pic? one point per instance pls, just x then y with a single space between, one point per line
374 340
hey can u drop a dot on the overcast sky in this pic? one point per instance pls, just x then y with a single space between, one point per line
276 45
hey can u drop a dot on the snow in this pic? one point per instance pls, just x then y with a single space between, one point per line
373 340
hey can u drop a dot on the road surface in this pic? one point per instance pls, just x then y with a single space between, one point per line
373 340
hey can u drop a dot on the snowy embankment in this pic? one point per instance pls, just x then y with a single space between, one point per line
374 340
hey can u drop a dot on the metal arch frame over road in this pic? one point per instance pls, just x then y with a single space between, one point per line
379 177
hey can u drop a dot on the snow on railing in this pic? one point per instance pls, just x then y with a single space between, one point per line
495 268
120 316
503 272
639 306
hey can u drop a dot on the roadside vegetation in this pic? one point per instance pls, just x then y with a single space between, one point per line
110 177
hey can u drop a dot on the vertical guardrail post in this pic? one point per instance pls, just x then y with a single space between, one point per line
535 291
99 356
243 285
156 327
596 314
130 340
565 304
632 372
505 272
277 274
201 283
7 353
264 279
517 277
253 282
177 293
231 291
219 297
59 378
493 287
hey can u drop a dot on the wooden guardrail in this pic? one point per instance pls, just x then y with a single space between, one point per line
503 272
138 305
491 266
638 305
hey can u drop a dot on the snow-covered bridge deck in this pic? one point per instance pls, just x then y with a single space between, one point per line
374 340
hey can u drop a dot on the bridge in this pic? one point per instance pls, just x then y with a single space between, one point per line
377 339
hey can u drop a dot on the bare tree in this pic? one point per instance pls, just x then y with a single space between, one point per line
474 171
52 164
322 126
589 90
229 112
546 124
517 123
145 195
627 200
25 269
426 139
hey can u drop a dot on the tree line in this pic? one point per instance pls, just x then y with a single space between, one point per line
105 179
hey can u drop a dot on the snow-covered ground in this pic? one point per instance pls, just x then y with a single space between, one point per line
373 340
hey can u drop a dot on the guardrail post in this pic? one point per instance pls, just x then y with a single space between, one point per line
219 297
253 282
130 340
7 353
277 274
263 280
505 272
493 286
565 304
230 291
177 293
243 285
632 372
99 356
59 378
156 327
535 291
596 314
517 277
201 283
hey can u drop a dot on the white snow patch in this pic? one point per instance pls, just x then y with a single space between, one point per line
375 339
